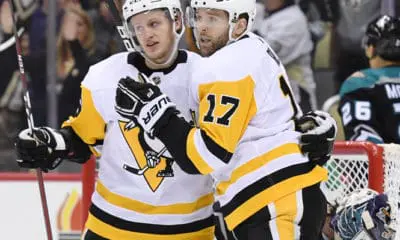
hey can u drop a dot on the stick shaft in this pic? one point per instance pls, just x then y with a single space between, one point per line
29 116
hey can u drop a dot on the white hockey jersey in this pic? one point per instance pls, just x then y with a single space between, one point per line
131 200
246 136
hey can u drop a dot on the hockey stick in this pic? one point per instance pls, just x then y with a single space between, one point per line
120 25
141 171
11 41
27 103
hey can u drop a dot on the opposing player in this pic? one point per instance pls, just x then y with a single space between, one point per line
246 136
141 193
370 99
363 215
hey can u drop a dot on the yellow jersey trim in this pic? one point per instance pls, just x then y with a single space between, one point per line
256 163
195 156
141 207
113 233
273 193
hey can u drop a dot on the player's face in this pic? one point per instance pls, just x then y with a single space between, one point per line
154 32
212 30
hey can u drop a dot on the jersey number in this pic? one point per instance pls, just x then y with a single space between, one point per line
225 100
287 92
362 111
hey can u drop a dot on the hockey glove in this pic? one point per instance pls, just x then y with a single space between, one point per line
143 103
45 149
319 131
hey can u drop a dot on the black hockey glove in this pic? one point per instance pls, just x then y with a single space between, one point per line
143 103
45 149
319 131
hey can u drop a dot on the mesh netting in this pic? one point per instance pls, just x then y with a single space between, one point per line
348 172
391 156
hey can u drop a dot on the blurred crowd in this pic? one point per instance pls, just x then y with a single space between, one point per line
86 34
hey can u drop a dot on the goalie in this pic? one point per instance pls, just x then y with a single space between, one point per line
363 215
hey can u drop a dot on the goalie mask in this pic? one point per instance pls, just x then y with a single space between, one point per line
364 215
383 33
234 8
134 7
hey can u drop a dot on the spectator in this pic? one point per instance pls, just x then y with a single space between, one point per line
352 19
12 117
316 24
38 51
108 40
75 47
286 30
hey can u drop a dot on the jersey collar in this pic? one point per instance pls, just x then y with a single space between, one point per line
138 61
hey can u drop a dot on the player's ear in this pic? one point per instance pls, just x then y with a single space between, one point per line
369 51
178 22
239 28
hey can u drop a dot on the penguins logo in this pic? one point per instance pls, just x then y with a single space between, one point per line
152 157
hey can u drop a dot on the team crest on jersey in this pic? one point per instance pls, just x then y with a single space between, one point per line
152 158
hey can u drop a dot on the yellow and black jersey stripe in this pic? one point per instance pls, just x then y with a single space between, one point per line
149 209
112 227
268 189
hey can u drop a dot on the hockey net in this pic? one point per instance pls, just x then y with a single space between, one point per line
353 165
356 165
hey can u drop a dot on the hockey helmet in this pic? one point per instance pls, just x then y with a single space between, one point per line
384 34
234 8
133 7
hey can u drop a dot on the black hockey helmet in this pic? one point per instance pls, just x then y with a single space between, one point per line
384 34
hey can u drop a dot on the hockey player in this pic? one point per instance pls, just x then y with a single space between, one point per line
363 215
141 192
246 136
134 198
370 99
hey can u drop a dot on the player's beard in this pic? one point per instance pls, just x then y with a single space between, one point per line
215 44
